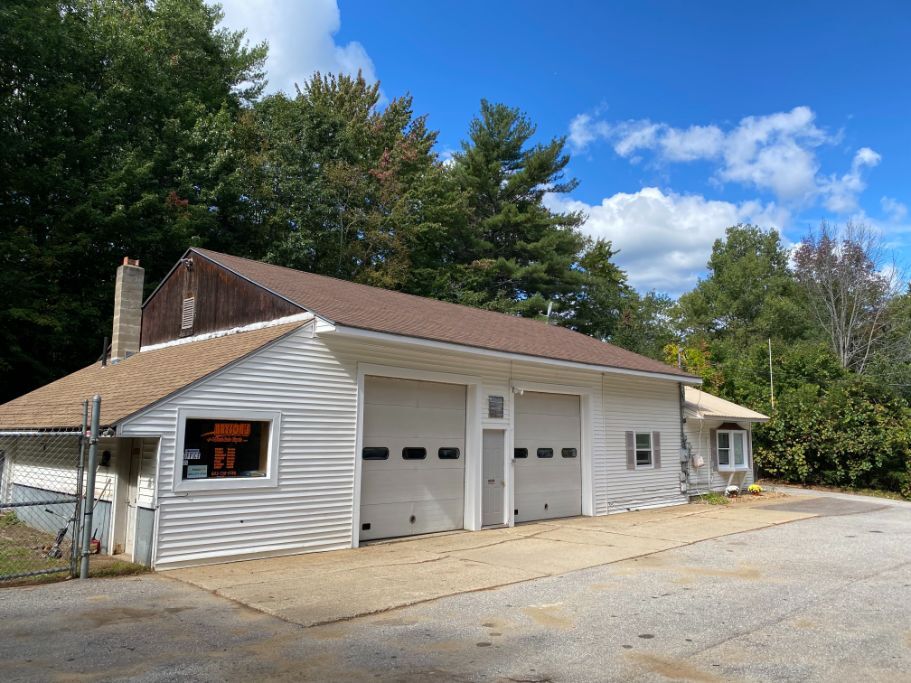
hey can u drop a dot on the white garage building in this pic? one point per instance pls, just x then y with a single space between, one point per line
286 412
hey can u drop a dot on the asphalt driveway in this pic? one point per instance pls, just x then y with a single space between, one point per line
825 598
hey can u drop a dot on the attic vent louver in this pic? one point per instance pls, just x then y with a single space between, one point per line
188 314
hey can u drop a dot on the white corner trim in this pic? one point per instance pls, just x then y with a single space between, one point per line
356 332
299 317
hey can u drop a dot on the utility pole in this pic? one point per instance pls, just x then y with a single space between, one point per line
771 378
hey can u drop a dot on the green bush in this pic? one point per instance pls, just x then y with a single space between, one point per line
850 433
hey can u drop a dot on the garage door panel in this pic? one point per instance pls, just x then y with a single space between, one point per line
412 393
432 461
547 488
401 497
539 403
413 485
399 421
429 516
556 504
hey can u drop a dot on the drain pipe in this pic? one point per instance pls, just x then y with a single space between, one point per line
91 468
684 449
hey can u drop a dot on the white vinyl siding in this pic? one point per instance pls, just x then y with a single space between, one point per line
705 478
311 507
312 381
641 405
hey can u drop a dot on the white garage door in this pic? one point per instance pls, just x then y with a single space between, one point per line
548 456
413 458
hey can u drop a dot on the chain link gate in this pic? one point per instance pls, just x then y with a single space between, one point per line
42 499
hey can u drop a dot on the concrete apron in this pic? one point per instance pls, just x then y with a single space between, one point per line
320 588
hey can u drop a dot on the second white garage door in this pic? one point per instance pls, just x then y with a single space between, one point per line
548 456
413 458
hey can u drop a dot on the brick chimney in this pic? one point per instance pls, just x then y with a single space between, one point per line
127 310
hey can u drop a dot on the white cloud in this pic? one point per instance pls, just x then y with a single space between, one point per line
895 210
774 153
301 39
841 193
665 238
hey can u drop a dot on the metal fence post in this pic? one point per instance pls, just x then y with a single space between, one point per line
80 475
90 489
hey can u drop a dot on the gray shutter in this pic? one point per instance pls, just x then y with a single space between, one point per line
713 447
656 450
630 451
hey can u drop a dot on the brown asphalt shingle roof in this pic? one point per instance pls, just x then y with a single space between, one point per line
381 310
133 383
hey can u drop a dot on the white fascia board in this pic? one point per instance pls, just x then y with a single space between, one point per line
726 418
298 317
356 332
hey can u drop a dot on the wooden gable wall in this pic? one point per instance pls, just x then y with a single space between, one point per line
221 300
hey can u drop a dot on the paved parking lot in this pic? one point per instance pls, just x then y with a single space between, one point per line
383 576
825 598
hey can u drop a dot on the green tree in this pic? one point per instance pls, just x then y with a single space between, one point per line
518 255
113 118
602 297
749 291
344 188
647 325
845 433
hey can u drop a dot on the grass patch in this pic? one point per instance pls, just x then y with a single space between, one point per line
24 549
714 498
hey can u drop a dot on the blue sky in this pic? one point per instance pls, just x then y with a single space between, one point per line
682 117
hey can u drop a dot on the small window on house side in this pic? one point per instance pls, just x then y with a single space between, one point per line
545 452
447 453
520 453
375 453
414 453
568 452
732 449
221 449
643 449
724 449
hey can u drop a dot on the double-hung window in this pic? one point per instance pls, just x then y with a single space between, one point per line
732 450
644 449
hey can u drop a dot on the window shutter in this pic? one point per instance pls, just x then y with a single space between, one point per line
630 451
713 447
656 450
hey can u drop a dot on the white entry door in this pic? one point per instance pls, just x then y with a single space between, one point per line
413 458
547 456
494 488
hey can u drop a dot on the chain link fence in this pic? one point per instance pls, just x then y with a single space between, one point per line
40 503
46 477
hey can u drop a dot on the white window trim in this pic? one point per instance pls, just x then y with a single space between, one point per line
221 484
651 452
731 466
